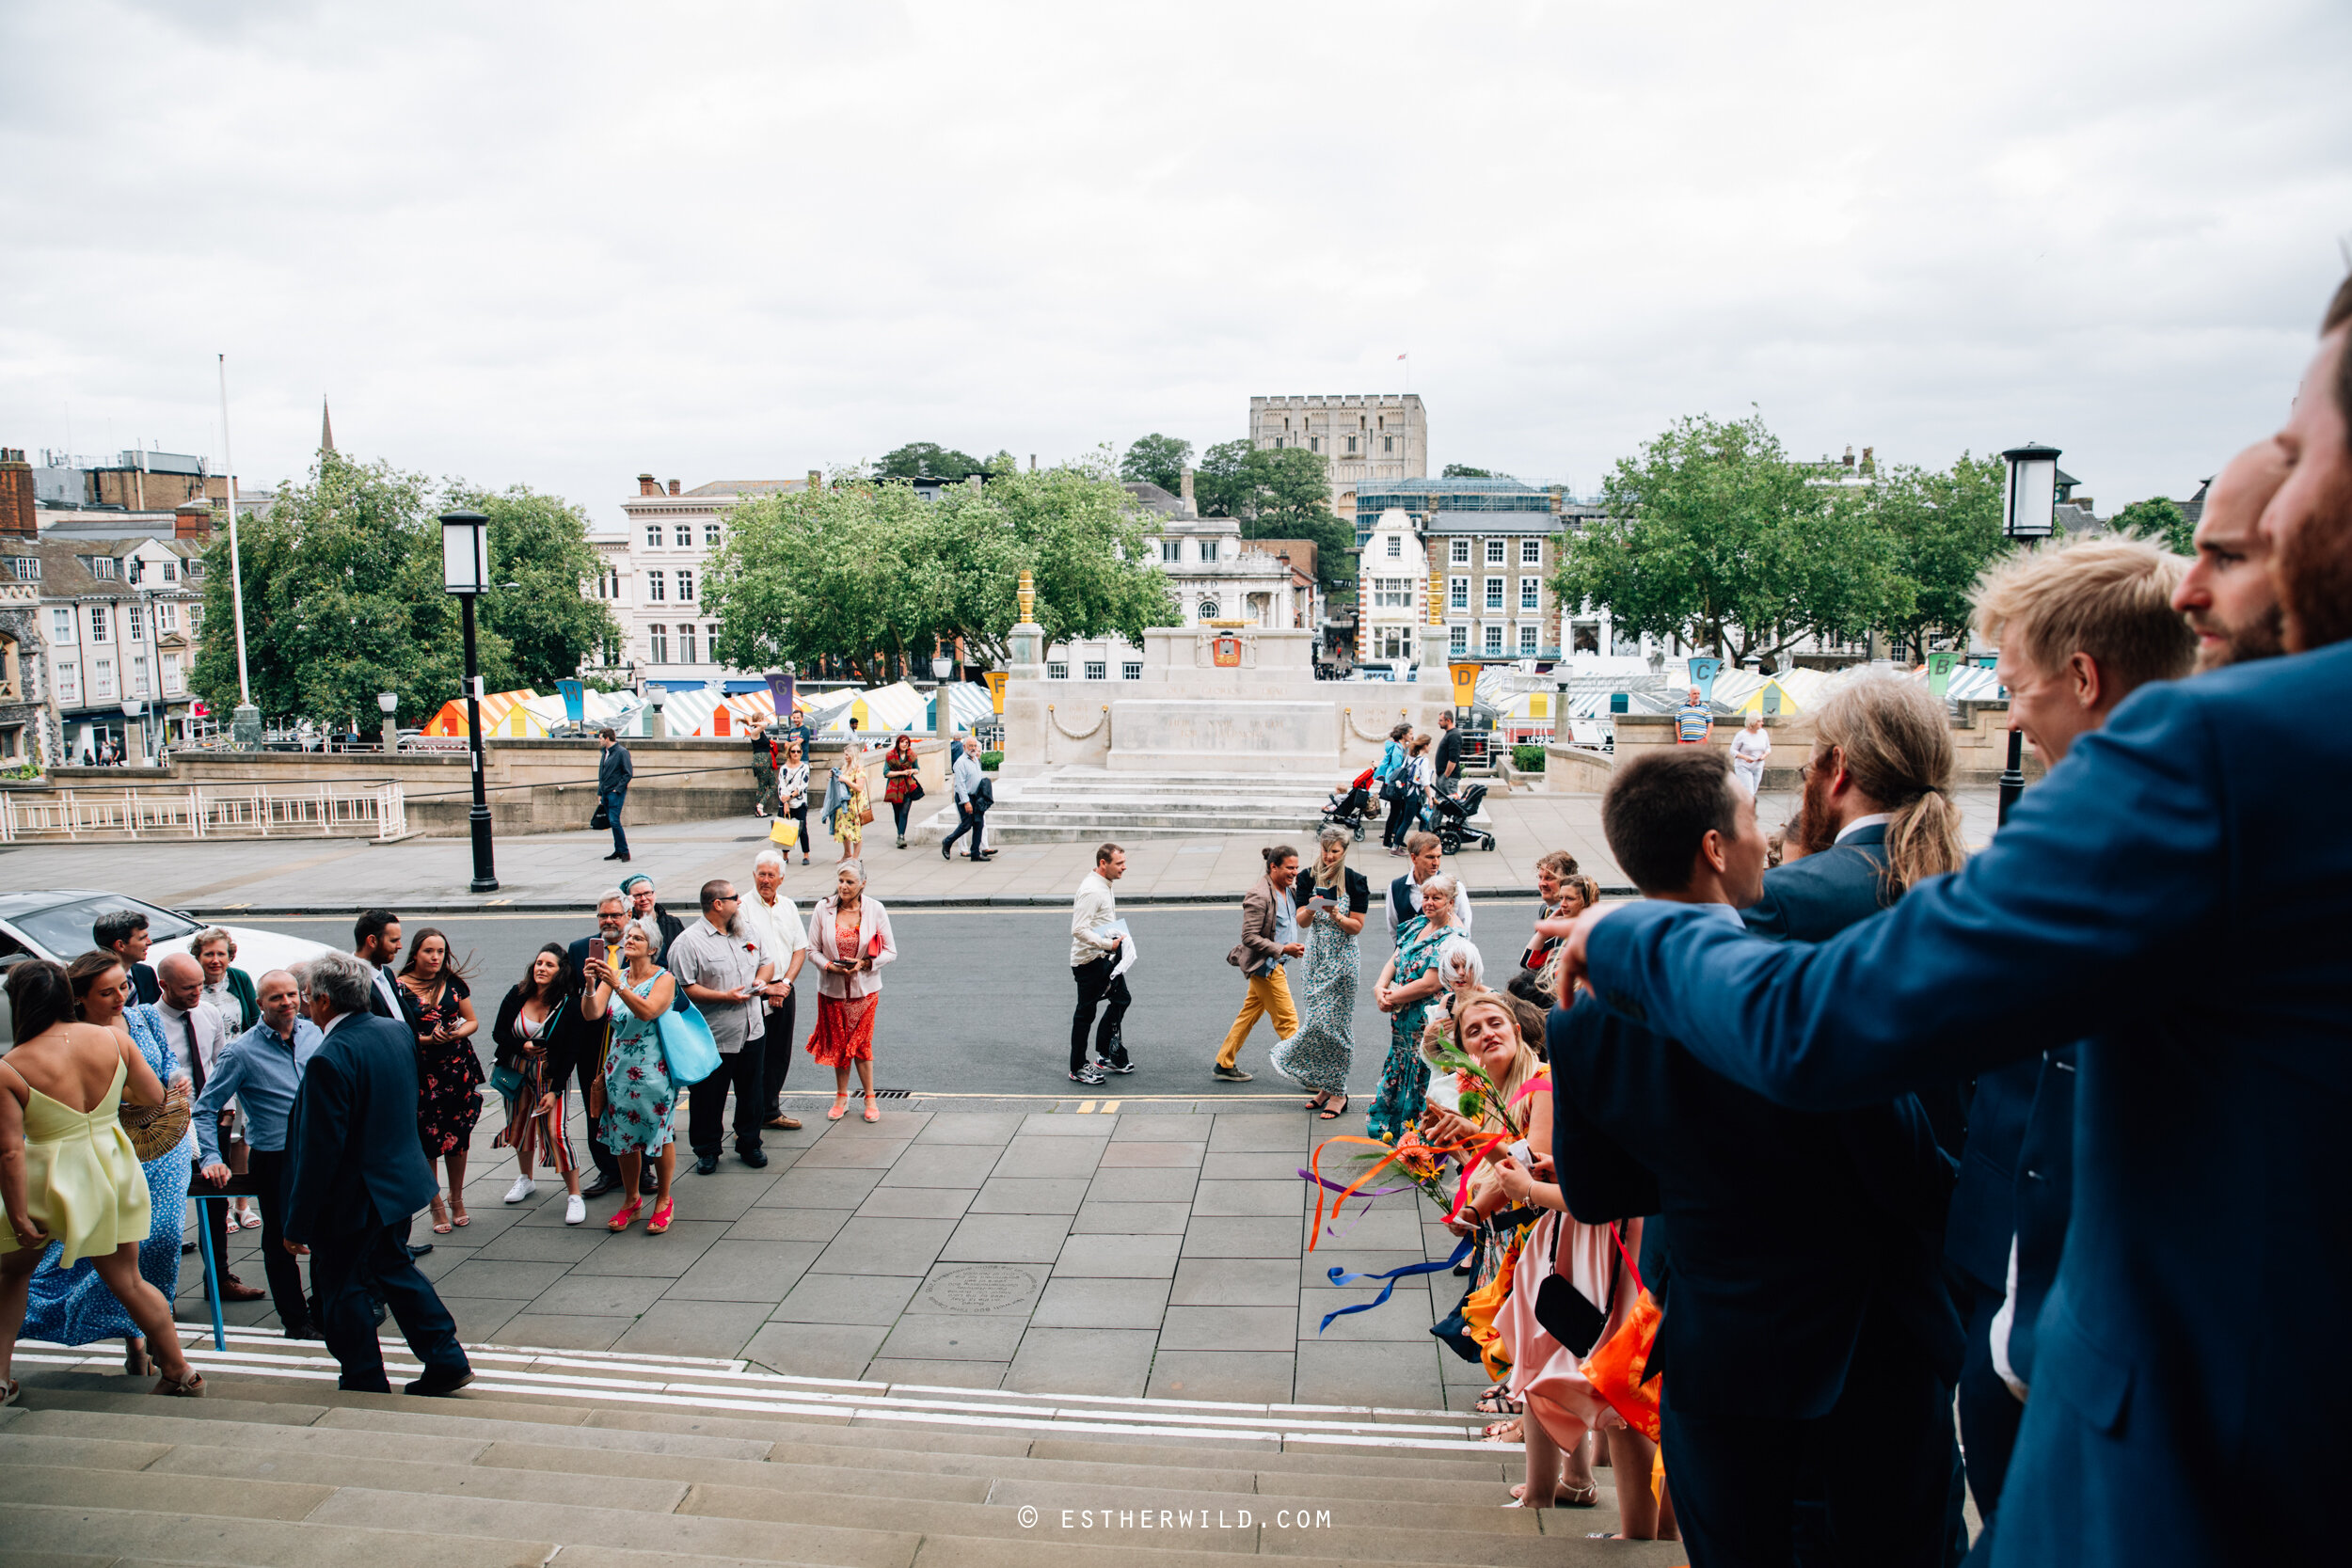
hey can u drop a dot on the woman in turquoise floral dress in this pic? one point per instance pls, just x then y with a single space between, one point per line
1407 985
635 1087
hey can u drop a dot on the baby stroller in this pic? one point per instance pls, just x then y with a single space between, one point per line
1349 805
1449 817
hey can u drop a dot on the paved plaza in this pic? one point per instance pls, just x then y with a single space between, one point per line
229 876
1117 1251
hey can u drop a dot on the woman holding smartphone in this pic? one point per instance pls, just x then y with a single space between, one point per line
1332 898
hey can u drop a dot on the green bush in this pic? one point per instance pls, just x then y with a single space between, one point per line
990 759
1527 759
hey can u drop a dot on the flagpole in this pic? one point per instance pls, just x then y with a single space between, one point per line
245 726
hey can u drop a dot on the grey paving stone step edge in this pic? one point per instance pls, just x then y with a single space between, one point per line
800 1466
737 1522
362 1423
564 1376
994 1511
118 1538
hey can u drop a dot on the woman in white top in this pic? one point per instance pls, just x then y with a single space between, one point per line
792 792
1749 749
1424 766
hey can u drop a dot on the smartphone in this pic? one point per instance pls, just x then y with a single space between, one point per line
1519 1152
597 951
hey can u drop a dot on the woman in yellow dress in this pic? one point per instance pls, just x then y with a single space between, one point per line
848 808
67 1170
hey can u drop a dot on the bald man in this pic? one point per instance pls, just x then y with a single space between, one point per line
2228 595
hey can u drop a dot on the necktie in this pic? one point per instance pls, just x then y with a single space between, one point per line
196 1058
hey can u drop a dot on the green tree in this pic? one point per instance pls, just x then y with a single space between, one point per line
1459 470
1226 483
872 575
1946 528
2159 520
926 460
1156 459
1714 537
539 543
342 600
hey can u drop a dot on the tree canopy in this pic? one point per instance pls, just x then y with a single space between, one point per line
926 460
1460 471
343 598
2161 521
1156 459
1947 527
872 575
1713 536
1277 494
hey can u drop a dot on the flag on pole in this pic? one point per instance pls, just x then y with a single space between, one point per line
1405 356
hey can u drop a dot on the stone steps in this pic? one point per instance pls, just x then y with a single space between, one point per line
631 1462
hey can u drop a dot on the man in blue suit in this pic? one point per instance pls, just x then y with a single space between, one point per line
356 1174
1808 1346
2173 895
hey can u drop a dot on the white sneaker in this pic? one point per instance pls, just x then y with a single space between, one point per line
574 1208
524 1187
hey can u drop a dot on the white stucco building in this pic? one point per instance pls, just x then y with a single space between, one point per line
652 580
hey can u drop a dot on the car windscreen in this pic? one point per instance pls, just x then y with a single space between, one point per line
64 929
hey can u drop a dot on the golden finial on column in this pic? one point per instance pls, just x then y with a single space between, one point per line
1029 596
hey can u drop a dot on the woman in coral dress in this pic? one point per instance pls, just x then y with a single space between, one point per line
849 939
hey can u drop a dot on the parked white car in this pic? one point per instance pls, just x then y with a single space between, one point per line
57 925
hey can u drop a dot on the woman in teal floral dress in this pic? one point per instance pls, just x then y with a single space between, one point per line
635 1085
1406 984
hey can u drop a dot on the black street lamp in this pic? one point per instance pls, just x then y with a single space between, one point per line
466 572
2026 504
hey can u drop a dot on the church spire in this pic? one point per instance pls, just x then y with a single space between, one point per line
326 426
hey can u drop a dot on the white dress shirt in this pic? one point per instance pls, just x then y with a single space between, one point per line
778 928
1095 907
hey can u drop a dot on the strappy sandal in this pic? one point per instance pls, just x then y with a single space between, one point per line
1331 1112
190 1388
9 1395
873 1112
840 1106
1510 1431
440 1216
457 1215
627 1216
1496 1401
660 1221
1588 1496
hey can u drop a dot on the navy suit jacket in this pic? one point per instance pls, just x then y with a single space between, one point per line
2173 895
1784 1228
1816 897
355 1163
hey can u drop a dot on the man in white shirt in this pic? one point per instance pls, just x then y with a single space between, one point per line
1404 900
784 942
375 941
195 1034
1094 951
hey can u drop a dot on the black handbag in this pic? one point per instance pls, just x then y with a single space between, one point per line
1567 1313
602 820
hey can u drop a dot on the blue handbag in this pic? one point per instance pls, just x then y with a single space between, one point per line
688 1050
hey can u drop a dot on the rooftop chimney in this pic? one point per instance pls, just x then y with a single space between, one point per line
648 485
1032 461
673 489
1184 488
192 520
1849 459
16 495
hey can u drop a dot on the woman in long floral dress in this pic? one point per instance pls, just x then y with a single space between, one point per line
638 1098
1407 985
73 1307
437 1007
1318 1057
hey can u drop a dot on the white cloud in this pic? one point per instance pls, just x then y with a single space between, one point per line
558 244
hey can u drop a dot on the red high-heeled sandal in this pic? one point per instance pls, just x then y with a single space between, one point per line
622 1220
660 1221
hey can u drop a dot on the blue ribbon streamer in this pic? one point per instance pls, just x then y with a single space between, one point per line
1340 1277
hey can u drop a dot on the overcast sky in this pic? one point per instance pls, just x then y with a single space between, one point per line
559 244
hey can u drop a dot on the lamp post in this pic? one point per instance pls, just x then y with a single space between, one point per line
943 719
2026 503
466 572
134 708
389 703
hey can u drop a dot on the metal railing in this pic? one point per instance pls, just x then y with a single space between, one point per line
348 810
